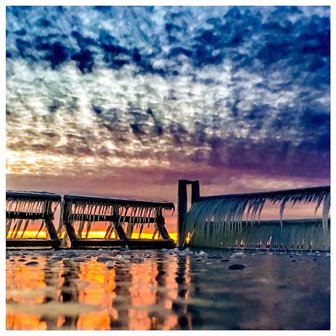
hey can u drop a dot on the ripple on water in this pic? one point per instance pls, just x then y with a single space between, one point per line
52 309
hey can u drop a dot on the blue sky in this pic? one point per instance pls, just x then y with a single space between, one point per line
115 100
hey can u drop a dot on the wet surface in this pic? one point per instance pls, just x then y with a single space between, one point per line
167 289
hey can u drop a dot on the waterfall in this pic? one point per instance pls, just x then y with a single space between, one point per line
234 221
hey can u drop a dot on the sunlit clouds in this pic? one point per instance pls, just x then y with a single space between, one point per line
237 97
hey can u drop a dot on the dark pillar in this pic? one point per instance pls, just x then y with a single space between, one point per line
120 231
67 221
182 208
160 222
183 204
49 216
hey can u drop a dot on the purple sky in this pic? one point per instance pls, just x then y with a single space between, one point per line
124 101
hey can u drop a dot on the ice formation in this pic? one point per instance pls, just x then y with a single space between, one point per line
24 212
215 220
84 213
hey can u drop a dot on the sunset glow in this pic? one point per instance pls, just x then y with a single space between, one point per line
124 101
168 167
29 234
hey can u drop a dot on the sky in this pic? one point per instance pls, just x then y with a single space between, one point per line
124 101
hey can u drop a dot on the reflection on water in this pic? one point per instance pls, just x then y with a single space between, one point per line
162 290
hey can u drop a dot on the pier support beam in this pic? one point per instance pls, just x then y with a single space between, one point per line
160 222
48 220
66 221
183 204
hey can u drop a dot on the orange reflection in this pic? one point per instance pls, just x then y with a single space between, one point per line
21 277
19 321
136 294
94 321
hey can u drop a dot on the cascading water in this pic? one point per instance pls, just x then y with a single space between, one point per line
233 221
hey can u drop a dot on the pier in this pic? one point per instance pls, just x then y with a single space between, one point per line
78 214
233 220
121 217
24 209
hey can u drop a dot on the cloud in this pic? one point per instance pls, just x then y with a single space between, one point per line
241 89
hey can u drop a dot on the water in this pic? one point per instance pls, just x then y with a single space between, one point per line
169 289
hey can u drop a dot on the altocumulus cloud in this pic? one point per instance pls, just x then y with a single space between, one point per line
245 89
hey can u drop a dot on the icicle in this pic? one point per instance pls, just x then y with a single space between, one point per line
88 225
25 227
56 204
8 206
122 215
40 207
80 229
60 224
42 224
70 211
260 210
155 232
282 208
8 225
17 206
95 208
113 231
129 229
147 216
140 215
135 218
209 220
325 212
17 223
141 223
140 231
110 228
27 209
35 207
103 212
18 227
94 211
141 220
81 213
319 201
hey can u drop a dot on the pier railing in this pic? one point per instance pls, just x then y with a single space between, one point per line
120 216
30 221
24 209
